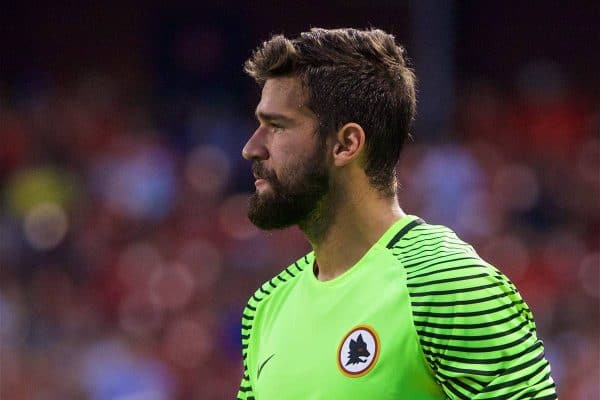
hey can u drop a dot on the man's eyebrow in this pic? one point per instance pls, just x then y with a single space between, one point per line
261 115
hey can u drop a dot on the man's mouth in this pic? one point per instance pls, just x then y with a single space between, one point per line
260 182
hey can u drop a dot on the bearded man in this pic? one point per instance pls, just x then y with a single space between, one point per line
385 306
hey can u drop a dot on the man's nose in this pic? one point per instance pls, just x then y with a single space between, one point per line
255 148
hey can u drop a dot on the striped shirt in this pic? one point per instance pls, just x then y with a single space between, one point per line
421 316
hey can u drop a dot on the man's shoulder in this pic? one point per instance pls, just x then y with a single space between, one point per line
443 270
470 318
425 244
435 256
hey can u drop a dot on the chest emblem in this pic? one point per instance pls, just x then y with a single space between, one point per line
358 351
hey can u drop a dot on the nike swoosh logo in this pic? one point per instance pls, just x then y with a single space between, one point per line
263 365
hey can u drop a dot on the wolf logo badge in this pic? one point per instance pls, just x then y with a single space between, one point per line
358 351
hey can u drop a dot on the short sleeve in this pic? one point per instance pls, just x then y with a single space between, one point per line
477 333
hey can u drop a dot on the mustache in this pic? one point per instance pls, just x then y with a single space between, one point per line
260 171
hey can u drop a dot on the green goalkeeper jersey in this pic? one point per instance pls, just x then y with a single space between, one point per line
420 316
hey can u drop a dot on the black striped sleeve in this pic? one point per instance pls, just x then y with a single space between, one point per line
475 330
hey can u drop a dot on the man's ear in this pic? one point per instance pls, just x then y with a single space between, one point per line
349 144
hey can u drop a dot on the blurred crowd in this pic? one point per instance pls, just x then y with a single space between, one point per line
126 256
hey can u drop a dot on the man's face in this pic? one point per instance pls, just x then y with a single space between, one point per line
289 160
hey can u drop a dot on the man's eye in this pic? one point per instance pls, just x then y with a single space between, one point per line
276 127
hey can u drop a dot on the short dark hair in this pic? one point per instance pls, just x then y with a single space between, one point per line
350 75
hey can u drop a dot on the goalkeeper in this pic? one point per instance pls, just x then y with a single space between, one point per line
386 306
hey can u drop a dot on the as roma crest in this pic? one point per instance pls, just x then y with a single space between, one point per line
358 352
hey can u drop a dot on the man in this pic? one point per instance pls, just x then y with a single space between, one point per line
385 306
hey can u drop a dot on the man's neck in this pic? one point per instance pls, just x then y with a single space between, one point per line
345 230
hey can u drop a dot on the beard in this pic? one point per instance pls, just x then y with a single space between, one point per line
293 199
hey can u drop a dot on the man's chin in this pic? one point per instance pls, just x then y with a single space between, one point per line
267 215
268 222
268 225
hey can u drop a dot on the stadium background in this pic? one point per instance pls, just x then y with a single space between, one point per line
125 253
